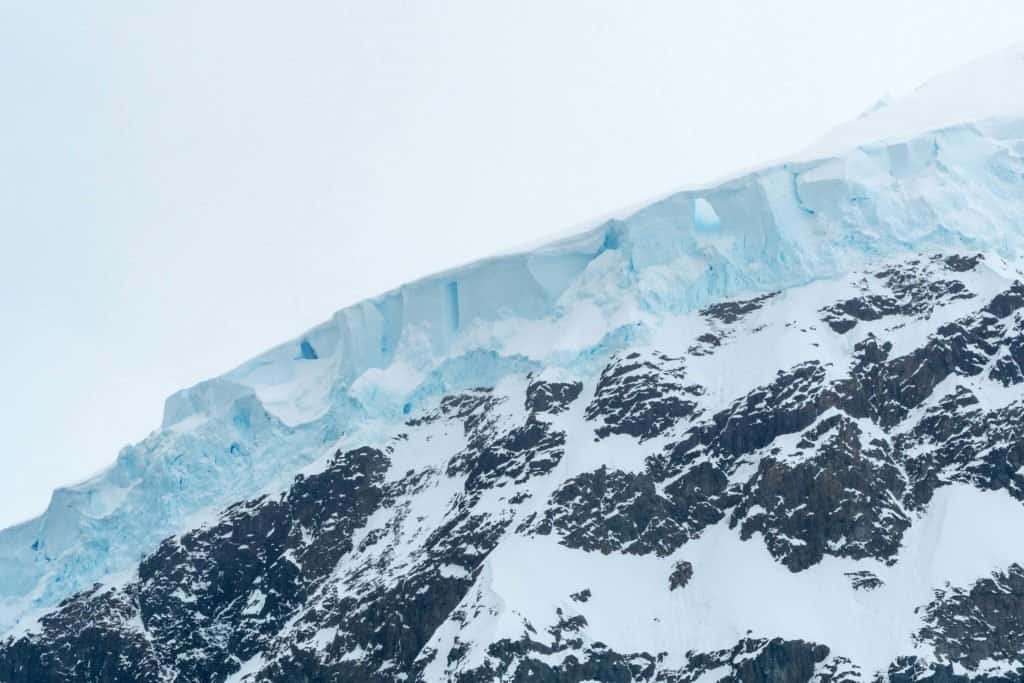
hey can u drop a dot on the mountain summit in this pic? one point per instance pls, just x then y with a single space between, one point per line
766 430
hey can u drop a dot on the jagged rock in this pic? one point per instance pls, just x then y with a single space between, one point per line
551 397
642 394
729 312
984 622
681 574
910 290
756 661
379 564
864 580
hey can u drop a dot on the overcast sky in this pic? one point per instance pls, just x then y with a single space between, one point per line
184 184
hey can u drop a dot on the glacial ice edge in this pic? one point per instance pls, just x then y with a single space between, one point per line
559 306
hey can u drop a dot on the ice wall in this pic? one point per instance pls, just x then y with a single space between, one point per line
374 362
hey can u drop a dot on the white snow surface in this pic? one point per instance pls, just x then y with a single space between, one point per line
738 590
940 171
987 88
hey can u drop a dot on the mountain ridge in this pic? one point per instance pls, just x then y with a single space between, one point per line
706 495
830 299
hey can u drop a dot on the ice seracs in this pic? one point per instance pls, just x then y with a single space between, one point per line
679 370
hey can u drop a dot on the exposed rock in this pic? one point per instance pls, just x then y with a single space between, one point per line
681 574
985 622
729 312
377 565
643 394
864 580
551 397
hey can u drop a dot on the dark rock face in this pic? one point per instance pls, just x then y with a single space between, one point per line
962 264
208 599
378 566
496 456
722 319
749 661
681 574
524 660
864 580
790 403
972 628
729 312
910 669
757 661
983 622
706 344
529 450
832 492
971 445
254 569
551 397
84 640
609 510
683 492
642 395
910 290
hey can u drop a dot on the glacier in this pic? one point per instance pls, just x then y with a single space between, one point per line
895 182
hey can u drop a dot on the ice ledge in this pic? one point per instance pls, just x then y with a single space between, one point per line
954 189
958 188
770 229
207 399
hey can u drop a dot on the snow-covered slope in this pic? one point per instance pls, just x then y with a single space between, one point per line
984 89
767 423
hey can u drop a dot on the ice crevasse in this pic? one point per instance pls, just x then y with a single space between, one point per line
893 182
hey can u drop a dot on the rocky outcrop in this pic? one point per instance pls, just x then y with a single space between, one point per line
380 563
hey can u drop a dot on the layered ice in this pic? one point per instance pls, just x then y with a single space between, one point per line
933 184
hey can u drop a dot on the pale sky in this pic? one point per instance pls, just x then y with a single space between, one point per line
184 184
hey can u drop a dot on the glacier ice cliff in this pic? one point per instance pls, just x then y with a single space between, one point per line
565 306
